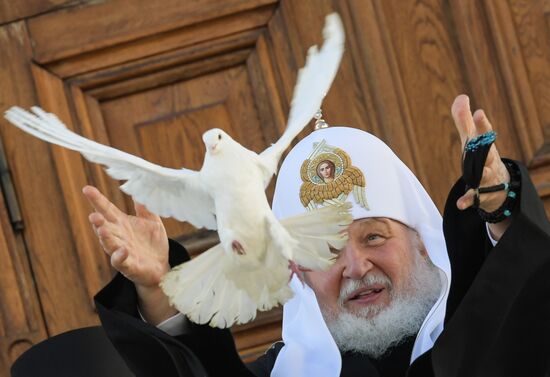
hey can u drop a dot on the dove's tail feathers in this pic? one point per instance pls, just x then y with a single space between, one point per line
316 232
199 290
213 288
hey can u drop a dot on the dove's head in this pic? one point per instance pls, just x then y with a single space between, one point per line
215 140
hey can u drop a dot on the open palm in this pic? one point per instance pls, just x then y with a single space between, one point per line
137 245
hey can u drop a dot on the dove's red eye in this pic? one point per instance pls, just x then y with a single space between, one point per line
219 136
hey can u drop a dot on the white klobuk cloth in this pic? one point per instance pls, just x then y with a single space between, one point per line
392 191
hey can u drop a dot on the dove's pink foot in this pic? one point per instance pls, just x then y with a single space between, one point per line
296 269
237 247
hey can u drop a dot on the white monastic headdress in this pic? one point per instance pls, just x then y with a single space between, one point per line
365 172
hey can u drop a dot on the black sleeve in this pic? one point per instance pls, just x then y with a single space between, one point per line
497 321
264 364
148 351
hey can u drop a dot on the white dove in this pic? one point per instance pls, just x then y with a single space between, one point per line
249 269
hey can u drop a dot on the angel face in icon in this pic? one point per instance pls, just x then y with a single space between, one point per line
325 170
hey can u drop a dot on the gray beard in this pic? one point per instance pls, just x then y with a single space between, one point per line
374 330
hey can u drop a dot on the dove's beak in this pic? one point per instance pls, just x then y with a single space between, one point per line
213 148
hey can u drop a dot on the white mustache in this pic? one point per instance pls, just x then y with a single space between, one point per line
367 282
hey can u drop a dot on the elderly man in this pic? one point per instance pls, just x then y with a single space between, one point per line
389 305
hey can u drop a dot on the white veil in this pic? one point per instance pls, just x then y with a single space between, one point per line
392 191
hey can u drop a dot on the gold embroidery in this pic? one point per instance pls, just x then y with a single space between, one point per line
329 177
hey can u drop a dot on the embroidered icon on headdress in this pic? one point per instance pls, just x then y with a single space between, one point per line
329 177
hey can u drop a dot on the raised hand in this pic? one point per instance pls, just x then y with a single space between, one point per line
138 247
494 171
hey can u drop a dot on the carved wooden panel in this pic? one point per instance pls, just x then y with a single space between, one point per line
533 34
22 323
481 71
514 50
154 100
104 24
149 77
381 84
522 35
428 63
15 10
93 266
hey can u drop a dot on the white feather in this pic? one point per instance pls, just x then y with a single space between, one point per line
312 84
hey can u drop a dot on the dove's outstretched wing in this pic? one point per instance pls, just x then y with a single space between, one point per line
167 192
313 82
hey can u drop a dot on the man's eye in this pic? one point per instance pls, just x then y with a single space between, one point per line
374 238
334 250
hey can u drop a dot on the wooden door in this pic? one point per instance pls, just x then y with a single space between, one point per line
149 77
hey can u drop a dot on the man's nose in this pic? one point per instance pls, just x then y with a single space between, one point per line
357 262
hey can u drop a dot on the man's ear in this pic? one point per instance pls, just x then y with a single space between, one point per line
419 244
423 251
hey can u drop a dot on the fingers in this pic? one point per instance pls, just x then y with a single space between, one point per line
99 222
494 171
109 242
96 219
466 200
482 123
119 260
482 126
463 119
108 233
109 229
101 204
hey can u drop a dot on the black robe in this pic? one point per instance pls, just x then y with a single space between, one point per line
497 321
